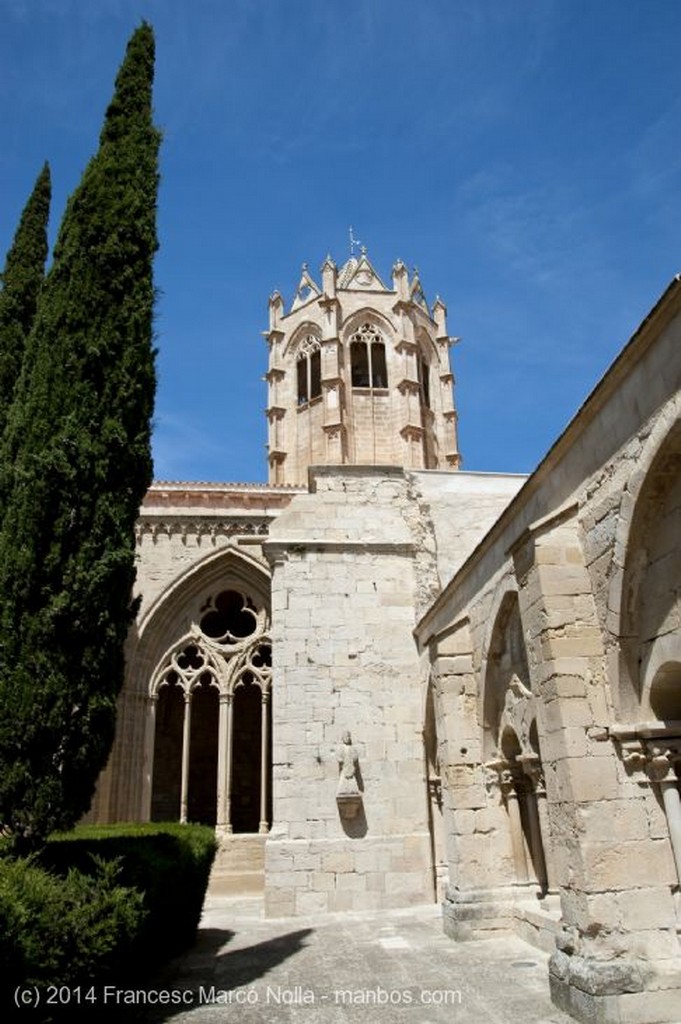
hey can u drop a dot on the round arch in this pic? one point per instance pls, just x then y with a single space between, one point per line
631 670
493 689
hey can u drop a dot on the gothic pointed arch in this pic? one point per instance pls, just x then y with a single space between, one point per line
300 338
204 747
367 336
204 638
381 323
171 614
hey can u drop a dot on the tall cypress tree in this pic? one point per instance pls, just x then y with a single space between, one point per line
22 279
78 439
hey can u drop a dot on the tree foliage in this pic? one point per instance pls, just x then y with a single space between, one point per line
78 442
22 279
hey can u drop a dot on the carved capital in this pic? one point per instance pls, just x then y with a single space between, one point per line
503 774
532 767
652 750
662 760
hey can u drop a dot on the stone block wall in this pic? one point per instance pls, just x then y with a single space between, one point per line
375 440
343 594
590 546
463 506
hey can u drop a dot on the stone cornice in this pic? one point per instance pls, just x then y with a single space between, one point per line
275 373
413 431
206 498
201 526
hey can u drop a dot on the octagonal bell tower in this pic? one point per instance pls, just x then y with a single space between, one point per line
359 374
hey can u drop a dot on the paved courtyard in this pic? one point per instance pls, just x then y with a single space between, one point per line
395 966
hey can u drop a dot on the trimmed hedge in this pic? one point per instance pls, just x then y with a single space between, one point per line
63 931
101 904
168 863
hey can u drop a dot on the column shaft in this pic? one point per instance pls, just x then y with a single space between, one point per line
264 741
186 736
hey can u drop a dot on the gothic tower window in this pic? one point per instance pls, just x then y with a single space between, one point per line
424 381
309 370
367 358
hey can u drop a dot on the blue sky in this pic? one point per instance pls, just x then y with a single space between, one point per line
525 155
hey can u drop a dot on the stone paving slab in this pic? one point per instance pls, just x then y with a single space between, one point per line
395 966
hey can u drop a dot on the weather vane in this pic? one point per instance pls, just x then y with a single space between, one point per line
355 242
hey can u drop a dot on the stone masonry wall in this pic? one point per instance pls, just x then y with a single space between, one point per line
566 545
343 597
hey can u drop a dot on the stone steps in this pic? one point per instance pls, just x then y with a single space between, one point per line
538 924
239 865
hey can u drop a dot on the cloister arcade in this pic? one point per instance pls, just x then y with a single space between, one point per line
208 731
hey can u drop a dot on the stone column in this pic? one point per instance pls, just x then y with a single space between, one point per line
545 828
264 741
229 746
224 730
186 738
148 762
539 819
660 757
672 808
507 784
480 894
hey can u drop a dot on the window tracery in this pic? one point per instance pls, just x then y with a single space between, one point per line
229 642
309 370
367 358
424 381
209 709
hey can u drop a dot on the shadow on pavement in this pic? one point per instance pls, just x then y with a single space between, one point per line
212 975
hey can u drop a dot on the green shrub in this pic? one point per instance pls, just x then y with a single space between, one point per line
168 863
63 931
99 905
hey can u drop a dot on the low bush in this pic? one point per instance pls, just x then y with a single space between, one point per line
168 863
100 905
63 931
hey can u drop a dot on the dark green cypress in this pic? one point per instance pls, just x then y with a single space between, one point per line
78 439
22 279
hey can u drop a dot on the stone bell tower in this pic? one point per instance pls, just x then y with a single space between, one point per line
359 374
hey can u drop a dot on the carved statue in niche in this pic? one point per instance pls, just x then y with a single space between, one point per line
518 712
348 763
348 793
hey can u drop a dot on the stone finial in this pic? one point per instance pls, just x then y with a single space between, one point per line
329 273
401 281
276 305
306 290
440 317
